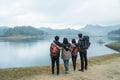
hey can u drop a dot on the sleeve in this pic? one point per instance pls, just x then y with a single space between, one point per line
50 49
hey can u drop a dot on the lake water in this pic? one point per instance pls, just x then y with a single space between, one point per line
36 52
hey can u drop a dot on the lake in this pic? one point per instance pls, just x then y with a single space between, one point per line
27 53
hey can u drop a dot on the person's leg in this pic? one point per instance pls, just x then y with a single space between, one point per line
57 65
73 61
86 61
82 61
65 65
52 64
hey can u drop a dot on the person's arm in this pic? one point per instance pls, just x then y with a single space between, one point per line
50 50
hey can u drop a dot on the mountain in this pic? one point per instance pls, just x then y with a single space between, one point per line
23 31
3 29
98 29
115 32
66 31
114 35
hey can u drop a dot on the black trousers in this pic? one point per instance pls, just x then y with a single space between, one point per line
74 62
84 61
53 61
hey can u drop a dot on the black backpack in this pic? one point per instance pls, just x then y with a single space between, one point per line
85 43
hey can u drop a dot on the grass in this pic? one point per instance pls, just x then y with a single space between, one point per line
17 73
114 46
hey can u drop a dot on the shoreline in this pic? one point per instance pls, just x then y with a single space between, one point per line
26 72
114 45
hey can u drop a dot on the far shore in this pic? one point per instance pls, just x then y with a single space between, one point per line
20 37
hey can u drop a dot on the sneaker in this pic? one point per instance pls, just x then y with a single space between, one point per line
66 72
74 70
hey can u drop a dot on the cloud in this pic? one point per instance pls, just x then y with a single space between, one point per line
62 13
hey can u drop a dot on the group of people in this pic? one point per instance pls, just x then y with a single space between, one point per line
68 50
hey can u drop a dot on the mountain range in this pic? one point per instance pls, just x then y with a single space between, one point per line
66 31
96 30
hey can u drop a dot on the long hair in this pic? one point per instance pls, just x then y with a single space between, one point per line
66 44
65 41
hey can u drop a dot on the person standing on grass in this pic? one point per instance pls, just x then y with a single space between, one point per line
83 44
66 54
55 54
74 53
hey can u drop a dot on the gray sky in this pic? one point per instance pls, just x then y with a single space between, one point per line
59 13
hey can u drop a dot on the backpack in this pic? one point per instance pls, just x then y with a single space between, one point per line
85 42
54 50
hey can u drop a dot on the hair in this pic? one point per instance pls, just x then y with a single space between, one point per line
80 35
73 41
56 38
65 44
65 41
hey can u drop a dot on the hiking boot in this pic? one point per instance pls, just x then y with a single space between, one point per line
81 70
57 74
85 68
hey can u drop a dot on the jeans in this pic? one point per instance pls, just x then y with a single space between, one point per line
55 60
74 62
66 65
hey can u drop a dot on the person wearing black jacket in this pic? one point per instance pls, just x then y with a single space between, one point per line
55 59
83 54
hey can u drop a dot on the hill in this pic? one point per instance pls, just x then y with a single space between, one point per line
98 29
66 31
95 30
23 31
3 29
115 32
114 35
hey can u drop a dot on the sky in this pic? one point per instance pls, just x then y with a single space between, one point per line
59 13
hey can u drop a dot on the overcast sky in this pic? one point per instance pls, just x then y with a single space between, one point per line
59 13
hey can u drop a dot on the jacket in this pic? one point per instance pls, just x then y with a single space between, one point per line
74 49
66 54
